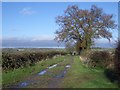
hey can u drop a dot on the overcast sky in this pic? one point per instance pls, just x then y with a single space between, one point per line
33 22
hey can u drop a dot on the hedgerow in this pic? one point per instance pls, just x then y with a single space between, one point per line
19 60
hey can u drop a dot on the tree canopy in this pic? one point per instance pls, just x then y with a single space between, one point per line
82 26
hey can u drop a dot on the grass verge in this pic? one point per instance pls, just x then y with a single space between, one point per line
79 76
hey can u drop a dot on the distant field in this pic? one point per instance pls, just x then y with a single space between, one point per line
104 49
13 50
18 50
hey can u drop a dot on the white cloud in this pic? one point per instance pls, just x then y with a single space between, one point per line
34 38
104 43
43 37
102 40
27 11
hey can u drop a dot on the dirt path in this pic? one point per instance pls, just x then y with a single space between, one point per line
57 80
55 83
48 78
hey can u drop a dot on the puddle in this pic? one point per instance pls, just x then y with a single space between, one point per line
53 66
23 84
68 66
61 74
26 83
42 72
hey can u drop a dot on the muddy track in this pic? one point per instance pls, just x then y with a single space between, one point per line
55 82
46 78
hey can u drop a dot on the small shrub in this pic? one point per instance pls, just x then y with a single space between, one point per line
117 61
111 75
100 58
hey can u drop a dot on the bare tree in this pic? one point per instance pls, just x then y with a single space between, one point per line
82 26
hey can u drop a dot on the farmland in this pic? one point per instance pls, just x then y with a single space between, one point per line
60 70
76 45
